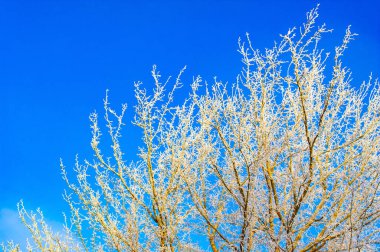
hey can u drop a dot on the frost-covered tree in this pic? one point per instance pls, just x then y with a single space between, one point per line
285 159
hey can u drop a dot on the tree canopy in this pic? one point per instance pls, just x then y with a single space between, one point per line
285 159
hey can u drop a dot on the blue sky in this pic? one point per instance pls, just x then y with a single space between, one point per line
57 58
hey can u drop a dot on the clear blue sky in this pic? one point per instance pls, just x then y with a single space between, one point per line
57 58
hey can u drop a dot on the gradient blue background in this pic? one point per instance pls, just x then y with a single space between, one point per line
57 58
